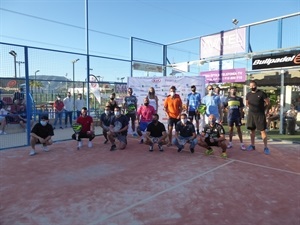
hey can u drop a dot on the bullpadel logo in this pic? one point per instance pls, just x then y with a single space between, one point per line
297 59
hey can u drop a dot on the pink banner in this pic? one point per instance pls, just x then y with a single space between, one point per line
225 76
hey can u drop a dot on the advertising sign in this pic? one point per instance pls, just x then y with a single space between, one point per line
225 76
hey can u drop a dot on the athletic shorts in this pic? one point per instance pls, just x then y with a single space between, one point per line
207 140
131 116
234 122
256 122
143 126
172 121
193 114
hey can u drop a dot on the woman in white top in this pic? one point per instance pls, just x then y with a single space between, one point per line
153 100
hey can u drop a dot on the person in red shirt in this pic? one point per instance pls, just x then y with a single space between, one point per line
58 108
145 113
87 130
173 108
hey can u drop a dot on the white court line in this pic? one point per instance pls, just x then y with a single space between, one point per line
267 167
157 194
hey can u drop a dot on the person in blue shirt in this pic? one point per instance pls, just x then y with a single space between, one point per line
213 105
193 102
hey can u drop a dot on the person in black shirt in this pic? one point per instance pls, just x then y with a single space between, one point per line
118 129
213 134
257 100
112 102
156 133
185 133
105 119
41 133
19 95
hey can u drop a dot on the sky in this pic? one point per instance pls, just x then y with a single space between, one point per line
60 24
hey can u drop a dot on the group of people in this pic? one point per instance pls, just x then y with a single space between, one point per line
115 120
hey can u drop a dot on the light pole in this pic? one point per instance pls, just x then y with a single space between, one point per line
14 54
35 80
19 62
121 78
73 62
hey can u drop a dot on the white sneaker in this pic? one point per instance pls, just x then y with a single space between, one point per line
2 132
90 144
243 147
79 144
229 146
45 148
32 152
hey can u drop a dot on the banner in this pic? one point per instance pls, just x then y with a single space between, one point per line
141 85
223 43
94 88
226 76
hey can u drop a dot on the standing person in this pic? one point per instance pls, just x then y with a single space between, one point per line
68 107
257 101
193 102
41 133
213 105
58 109
213 135
112 102
144 117
173 108
79 104
185 133
118 129
130 107
3 114
87 130
222 99
105 119
153 99
19 95
156 133
235 107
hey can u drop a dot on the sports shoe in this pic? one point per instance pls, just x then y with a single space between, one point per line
267 151
192 150
250 148
32 152
141 141
90 144
79 144
229 146
151 148
61 127
45 148
179 149
209 151
243 147
113 147
105 142
135 134
224 155
160 148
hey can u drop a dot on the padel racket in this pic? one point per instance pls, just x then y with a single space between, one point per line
202 109
77 128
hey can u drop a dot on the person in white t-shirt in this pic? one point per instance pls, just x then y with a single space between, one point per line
3 113
79 104
68 107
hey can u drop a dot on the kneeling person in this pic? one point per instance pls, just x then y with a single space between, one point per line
213 135
87 130
118 129
156 133
41 133
185 133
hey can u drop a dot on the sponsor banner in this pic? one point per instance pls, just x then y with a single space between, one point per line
147 67
141 85
276 60
227 76
94 88
223 43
